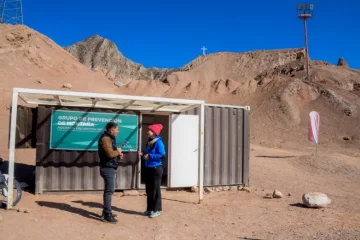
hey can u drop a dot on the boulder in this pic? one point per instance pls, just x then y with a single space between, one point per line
315 200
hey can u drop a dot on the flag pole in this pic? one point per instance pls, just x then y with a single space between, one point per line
313 129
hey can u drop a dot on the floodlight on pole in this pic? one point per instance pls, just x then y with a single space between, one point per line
304 12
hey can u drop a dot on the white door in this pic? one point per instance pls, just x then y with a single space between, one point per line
184 152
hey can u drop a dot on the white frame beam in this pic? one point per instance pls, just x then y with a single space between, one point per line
12 148
201 152
128 104
112 96
57 97
158 107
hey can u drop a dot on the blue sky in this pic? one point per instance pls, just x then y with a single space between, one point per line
170 33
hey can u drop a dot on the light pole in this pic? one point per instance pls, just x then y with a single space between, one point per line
304 12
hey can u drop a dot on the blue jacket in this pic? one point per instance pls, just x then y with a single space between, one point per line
156 153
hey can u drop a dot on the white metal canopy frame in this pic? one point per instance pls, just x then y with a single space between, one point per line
99 100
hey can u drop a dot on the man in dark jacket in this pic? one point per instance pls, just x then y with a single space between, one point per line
109 155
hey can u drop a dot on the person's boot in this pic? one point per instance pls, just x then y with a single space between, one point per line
103 214
108 217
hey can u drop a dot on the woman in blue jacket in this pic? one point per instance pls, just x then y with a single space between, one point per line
153 154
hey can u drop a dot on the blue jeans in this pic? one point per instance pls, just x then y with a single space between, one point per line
109 176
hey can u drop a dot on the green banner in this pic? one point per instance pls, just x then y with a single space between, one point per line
80 130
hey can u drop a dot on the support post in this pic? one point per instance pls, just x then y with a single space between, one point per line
12 149
139 149
306 51
201 152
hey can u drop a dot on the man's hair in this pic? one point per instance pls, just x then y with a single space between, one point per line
110 125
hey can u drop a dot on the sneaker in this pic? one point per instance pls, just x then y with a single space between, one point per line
147 213
102 215
109 218
155 214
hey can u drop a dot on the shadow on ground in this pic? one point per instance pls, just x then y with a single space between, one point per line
114 208
274 156
250 238
179 201
299 205
68 208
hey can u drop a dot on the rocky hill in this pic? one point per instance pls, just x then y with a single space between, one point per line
100 54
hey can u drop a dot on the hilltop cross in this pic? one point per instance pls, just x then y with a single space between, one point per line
203 49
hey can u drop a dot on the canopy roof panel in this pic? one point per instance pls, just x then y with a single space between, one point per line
111 101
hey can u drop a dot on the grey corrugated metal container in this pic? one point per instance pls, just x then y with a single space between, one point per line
226 159
227 145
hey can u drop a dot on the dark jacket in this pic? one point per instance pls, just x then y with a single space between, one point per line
107 151
156 150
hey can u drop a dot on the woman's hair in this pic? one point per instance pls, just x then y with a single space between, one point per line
110 125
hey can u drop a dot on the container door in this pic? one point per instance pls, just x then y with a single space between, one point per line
184 153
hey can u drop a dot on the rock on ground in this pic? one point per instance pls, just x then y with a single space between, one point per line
194 189
21 210
208 190
131 193
268 196
142 193
67 85
316 200
218 189
277 194
246 189
233 188
226 188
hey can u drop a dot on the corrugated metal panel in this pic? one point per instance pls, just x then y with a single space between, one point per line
226 155
226 145
73 170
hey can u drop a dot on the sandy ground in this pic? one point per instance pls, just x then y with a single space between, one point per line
222 215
